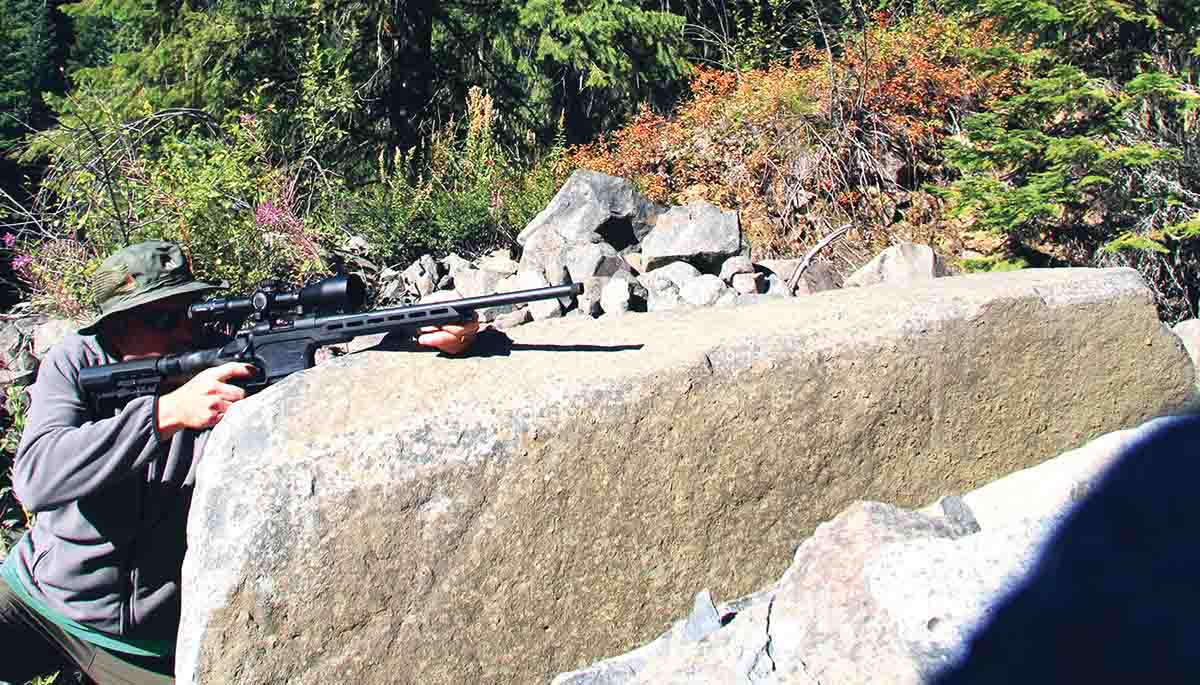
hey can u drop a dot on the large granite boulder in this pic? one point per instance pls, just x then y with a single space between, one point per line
548 502
878 594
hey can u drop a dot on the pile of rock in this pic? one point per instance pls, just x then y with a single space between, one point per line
632 254
24 340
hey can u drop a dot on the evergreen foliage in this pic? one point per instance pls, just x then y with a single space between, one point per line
27 71
1094 160
346 81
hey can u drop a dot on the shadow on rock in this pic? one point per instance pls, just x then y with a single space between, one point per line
1115 594
493 343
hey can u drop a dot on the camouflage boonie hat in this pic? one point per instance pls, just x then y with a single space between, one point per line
140 274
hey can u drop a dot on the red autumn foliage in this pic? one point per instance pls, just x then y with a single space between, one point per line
807 143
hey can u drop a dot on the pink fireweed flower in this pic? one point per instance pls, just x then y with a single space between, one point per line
9 240
268 214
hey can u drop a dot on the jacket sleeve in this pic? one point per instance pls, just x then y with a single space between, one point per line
65 454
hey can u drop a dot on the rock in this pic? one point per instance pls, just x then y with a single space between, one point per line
590 208
1189 333
474 282
663 285
739 264
878 594
51 333
589 300
675 273
818 277
595 207
704 619
510 284
703 290
700 233
1041 491
958 515
594 259
513 319
615 297
634 260
777 287
540 309
664 298
937 589
523 510
747 283
24 341
499 261
760 298
391 288
18 363
1112 596
561 276
365 342
455 263
900 264
422 276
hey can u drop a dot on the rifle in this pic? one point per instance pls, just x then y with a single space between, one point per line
281 341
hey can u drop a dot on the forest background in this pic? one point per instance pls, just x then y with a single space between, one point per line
277 138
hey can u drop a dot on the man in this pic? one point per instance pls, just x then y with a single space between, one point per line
93 586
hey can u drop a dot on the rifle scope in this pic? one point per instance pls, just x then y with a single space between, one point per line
343 292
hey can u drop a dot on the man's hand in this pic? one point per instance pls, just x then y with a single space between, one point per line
202 401
450 338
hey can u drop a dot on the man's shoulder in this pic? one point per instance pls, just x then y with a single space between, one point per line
77 351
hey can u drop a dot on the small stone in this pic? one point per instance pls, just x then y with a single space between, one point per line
513 319
747 283
703 291
614 299
734 266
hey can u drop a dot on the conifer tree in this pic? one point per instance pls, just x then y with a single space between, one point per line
347 80
27 70
1093 160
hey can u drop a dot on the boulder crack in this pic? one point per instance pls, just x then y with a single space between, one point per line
760 668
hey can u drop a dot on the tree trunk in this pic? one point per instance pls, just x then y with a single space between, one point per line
410 72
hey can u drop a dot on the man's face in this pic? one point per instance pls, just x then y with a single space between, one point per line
154 329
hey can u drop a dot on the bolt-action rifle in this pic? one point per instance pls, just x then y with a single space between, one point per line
287 329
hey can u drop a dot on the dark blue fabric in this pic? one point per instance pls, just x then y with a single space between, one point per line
1115 596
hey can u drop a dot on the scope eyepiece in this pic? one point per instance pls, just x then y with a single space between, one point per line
344 292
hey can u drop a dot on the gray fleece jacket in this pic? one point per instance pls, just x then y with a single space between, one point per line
111 500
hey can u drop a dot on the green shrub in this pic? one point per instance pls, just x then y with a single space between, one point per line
468 195
992 263
13 517
237 213
243 215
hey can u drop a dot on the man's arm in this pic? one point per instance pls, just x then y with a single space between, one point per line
64 453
